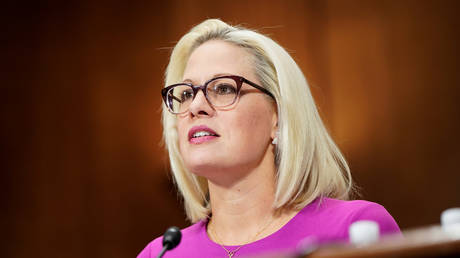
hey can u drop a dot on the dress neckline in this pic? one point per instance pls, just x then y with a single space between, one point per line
281 230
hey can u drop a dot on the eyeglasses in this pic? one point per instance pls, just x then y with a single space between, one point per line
221 91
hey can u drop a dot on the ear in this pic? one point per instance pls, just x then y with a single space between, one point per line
274 125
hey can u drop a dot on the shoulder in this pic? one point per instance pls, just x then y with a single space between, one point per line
188 235
351 211
329 219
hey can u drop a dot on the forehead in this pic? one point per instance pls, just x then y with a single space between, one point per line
217 57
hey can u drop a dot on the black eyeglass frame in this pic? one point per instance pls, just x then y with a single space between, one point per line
239 82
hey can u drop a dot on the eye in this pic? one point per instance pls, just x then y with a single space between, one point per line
224 89
186 95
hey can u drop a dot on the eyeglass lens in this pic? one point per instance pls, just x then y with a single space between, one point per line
219 92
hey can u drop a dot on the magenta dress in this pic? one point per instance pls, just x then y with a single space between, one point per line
320 222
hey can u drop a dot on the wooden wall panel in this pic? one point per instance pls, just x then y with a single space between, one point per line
394 89
84 173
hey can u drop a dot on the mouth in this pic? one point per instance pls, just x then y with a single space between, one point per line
202 133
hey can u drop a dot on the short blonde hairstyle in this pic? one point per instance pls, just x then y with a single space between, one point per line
309 164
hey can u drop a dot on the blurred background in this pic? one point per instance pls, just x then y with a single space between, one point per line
83 170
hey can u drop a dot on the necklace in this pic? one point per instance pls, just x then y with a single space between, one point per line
231 253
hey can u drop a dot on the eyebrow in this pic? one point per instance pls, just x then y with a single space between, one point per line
212 77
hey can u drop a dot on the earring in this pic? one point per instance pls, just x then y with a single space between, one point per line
275 140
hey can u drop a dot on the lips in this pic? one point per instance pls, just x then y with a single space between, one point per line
200 134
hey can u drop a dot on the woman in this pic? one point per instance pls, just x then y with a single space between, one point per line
250 155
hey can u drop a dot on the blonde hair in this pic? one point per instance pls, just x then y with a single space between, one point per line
309 164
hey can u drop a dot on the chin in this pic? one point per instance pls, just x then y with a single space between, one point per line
206 165
203 170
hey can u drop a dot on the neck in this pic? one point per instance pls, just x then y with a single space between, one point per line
242 198
242 211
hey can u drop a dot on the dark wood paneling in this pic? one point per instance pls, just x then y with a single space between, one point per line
85 174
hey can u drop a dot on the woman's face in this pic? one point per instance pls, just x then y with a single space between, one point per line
240 134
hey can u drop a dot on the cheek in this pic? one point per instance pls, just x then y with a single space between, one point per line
180 129
181 134
252 128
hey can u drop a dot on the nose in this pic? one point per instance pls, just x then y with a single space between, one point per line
200 106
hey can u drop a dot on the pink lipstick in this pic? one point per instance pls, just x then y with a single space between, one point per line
200 134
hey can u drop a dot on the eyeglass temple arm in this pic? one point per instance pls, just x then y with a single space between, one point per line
174 97
259 87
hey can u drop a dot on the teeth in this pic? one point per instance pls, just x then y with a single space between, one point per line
201 134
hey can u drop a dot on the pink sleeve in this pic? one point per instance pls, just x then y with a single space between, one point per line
152 249
377 213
